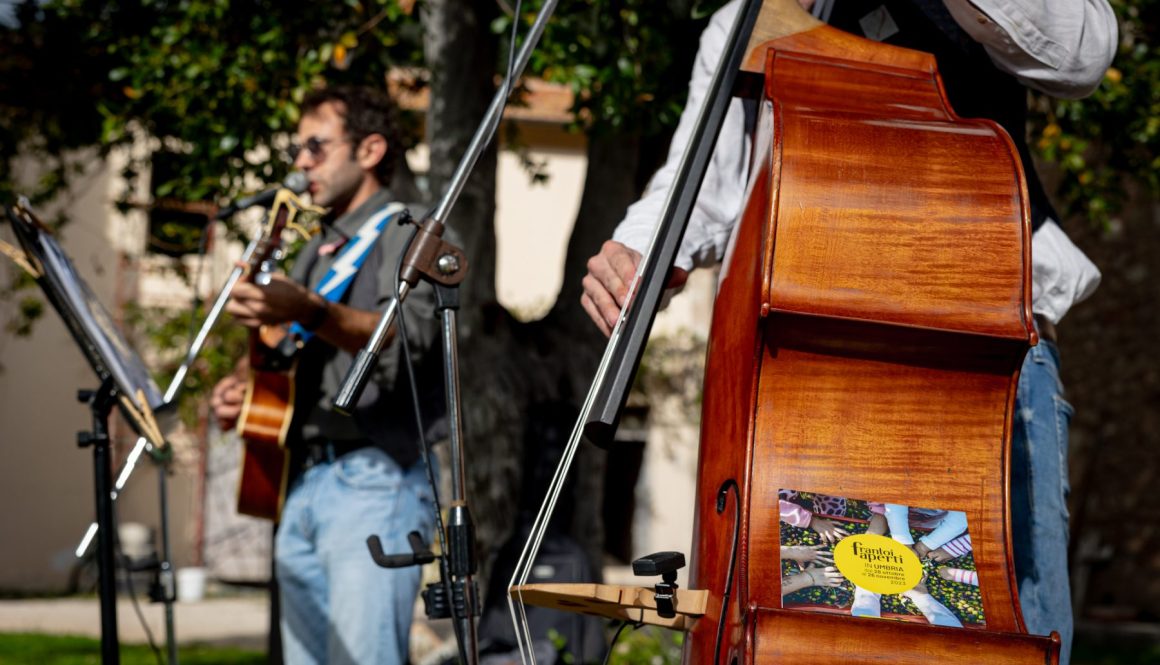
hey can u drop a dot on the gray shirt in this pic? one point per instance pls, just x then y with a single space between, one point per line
383 416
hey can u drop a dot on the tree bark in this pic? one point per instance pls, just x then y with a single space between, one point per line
512 372
609 188
461 54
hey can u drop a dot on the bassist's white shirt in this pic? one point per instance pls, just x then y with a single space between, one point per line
1063 52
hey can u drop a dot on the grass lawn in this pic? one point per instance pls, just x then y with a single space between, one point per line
30 649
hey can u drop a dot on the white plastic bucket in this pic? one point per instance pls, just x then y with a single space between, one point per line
190 584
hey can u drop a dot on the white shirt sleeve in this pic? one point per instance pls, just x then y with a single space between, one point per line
1060 48
718 204
1061 274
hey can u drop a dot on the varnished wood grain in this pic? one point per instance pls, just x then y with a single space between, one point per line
728 409
777 19
919 421
268 408
868 330
783 636
790 32
263 425
891 208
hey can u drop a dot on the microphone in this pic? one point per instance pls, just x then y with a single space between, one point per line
295 182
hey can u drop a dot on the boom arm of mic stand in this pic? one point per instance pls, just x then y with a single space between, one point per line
368 356
357 377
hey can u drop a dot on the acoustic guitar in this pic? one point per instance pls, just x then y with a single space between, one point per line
268 407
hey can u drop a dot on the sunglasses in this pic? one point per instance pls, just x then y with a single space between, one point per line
313 145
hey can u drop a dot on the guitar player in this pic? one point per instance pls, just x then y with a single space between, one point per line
350 476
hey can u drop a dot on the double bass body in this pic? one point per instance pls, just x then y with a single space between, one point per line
870 323
871 318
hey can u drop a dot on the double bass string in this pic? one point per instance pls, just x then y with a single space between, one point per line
547 508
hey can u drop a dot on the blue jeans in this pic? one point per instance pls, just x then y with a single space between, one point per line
1039 488
337 605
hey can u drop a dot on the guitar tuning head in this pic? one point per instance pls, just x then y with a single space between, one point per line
301 230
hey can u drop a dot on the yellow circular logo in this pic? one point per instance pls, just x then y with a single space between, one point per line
878 563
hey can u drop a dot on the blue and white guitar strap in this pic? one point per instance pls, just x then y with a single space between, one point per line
342 272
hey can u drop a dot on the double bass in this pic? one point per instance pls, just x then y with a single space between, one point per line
871 318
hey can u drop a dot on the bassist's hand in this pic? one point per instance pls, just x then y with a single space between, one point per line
280 301
606 284
226 401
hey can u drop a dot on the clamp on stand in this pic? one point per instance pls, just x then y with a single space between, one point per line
440 600
101 403
159 591
665 564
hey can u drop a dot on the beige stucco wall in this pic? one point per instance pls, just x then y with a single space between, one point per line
533 224
533 227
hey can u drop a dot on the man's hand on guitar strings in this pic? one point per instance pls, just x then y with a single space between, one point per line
281 300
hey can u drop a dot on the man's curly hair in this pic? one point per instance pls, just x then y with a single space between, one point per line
365 111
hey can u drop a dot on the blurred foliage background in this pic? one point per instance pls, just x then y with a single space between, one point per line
213 85
1113 136
210 87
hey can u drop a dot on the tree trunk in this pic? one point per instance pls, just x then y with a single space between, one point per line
609 188
496 380
461 54
517 373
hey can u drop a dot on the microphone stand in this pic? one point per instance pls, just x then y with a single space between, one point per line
445 265
143 445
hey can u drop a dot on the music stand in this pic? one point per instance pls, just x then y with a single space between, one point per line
124 381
